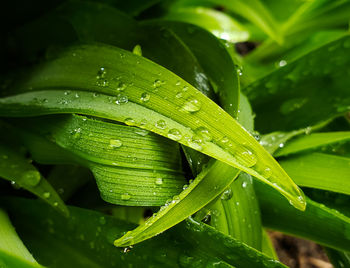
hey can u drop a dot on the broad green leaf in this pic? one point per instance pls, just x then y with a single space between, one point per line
321 171
144 94
17 169
85 240
206 187
131 166
13 253
218 23
313 141
318 222
294 96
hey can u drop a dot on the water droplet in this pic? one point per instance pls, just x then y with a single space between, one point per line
100 78
141 132
158 181
267 172
115 143
244 184
47 195
185 88
204 133
143 122
122 55
178 83
282 63
76 95
129 121
185 187
95 94
158 83
31 178
125 196
224 140
76 133
191 105
145 97
137 50
227 194
161 124
66 93
179 95
246 157
121 99
174 134
121 86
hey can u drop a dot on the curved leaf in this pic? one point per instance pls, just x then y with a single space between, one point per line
16 168
150 97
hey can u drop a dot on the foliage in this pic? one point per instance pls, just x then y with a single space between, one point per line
155 141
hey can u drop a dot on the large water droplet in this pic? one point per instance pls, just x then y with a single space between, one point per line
227 194
204 133
115 143
121 99
47 195
191 105
31 178
137 50
161 124
145 97
174 134
246 157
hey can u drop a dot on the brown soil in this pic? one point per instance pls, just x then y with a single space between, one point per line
299 253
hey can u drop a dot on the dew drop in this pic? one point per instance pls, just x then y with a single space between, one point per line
246 158
76 133
191 105
227 194
267 172
137 50
47 195
121 86
204 133
174 134
121 99
31 178
141 132
158 83
178 95
161 124
129 121
125 196
158 181
145 97
115 143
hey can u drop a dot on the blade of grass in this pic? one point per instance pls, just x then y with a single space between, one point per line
321 171
313 141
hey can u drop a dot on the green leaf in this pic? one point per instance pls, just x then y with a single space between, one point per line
218 23
131 165
319 223
267 246
144 94
313 141
295 97
17 169
206 187
338 258
13 253
321 171
237 212
86 238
